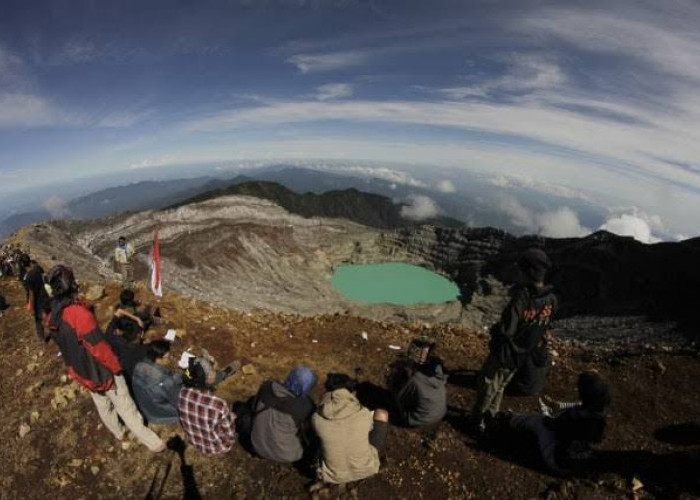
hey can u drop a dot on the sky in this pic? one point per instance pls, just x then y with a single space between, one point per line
596 99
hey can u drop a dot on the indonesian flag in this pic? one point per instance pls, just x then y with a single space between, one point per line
154 260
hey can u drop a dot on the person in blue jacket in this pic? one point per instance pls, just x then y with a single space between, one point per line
156 389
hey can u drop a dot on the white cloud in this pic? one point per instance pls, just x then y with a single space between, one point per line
386 174
27 110
333 91
419 208
562 222
160 161
317 63
631 225
527 72
446 186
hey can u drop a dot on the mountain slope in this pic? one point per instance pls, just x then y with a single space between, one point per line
363 208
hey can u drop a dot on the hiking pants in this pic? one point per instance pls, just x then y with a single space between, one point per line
377 436
116 403
126 271
534 424
489 395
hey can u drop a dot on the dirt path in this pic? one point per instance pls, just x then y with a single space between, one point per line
67 453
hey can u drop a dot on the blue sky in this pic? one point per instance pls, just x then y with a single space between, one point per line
593 97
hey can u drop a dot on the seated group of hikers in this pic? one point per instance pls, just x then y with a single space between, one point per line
339 438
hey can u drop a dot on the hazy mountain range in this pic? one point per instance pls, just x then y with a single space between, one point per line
473 200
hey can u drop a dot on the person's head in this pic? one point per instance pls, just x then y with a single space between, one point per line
158 350
594 391
25 260
62 281
126 297
300 381
335 381
200 374
534 264
121 241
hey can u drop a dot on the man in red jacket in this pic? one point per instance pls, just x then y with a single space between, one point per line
91 361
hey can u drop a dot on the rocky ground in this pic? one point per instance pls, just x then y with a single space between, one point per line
56 446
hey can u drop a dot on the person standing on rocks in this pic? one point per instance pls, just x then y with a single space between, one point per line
521 330
91 361
38 302
123 254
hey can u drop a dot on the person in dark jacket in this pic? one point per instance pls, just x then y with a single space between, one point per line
422 400
157 389
565 435
129 320
282 412
91 361
37 298
130 353
522 330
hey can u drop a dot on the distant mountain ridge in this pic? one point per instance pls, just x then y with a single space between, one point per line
368 209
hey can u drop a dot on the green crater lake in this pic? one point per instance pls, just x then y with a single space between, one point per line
393 283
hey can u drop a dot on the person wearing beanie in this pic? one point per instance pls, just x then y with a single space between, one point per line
207 420
281 416
521 331
91 361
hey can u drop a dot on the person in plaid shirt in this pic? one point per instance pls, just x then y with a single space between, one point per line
208 422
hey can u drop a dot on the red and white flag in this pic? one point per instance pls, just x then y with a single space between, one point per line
154 260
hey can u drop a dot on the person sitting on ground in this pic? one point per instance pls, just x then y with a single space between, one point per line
128 348
91 361
422 399
208 422
128 318
281 415
350 435
157 389
565 436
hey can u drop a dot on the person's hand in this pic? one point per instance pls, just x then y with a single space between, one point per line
139 321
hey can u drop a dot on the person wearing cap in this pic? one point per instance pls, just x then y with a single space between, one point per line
522 329
122 257
282 412
208 422
91 361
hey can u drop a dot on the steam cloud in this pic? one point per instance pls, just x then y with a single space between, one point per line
57 207
446 186
559 223
636 225
419 208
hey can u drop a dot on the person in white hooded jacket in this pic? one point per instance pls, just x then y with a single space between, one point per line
350 434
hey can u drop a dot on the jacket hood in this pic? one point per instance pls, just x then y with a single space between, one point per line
436 381
338 405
